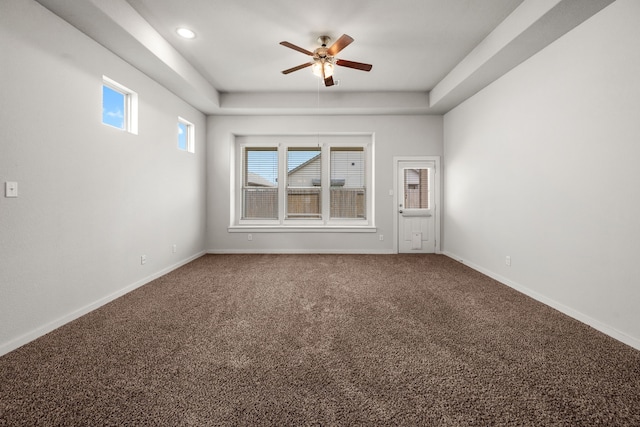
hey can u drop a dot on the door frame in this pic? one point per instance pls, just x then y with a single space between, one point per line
437 197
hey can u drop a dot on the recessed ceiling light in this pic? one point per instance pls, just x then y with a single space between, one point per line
186 33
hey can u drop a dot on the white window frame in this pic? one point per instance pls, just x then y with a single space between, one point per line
191 135
130 105
282 143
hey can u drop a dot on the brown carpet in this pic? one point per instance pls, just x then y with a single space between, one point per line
322 340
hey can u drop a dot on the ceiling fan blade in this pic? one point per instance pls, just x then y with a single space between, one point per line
298 48
352 64
340 44
299 67
328 81
326 78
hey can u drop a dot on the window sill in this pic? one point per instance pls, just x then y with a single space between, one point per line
301 229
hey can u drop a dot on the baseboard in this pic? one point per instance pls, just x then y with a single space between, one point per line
581 317
300 251
54 324
44 329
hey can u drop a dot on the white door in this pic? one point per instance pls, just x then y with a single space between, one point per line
416 207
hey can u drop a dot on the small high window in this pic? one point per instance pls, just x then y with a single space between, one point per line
119 106
186 135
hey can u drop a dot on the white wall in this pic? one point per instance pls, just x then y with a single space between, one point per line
92 199
394 136
542 166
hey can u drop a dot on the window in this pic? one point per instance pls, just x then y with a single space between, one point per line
416 188
304 183
260 183
119 106
348 189
294 181
113 107
186 135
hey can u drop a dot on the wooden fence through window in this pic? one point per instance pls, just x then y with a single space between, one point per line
262 203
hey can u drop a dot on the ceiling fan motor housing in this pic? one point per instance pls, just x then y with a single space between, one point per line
324 40
321 53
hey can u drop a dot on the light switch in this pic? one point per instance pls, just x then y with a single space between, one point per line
10 189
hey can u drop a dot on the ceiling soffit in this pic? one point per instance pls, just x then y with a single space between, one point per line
533 25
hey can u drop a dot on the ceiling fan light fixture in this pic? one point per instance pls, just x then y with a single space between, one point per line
328 68
185 33
323 59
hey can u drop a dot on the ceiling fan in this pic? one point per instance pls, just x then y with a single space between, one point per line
324 58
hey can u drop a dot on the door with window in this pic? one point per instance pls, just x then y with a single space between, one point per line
416 207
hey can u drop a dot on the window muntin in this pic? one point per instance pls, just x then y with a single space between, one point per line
304 183
348 182
260 183
119 106
186 135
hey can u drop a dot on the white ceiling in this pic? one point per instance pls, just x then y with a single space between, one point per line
412 44
448 49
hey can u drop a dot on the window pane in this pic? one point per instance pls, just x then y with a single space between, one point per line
186 135
183 136
113 107
416 188
304 183
348 183
260 183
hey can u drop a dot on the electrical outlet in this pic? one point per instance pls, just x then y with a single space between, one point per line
143 259
174 249
507 261
381 237
249 237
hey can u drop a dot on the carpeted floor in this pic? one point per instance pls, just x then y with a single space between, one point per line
322 340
